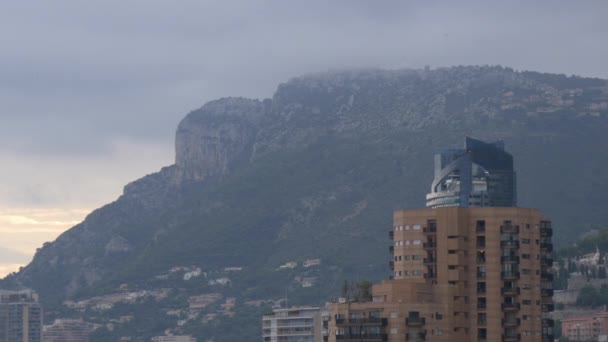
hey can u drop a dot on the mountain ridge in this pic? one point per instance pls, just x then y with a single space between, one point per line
319 167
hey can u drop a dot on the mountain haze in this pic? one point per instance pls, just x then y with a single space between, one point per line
316 171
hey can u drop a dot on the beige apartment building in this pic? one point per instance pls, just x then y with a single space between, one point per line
461 271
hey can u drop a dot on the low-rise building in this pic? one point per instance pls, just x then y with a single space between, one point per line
297 324
174 338
586 328
67 330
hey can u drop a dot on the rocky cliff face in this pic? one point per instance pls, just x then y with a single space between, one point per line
209 140
258 183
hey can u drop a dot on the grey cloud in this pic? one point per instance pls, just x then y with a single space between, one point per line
77 75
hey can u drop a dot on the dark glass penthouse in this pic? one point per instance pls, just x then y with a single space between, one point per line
480 175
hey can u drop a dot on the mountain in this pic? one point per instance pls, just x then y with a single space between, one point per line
315 173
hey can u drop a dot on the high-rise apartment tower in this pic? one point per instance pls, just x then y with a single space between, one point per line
468 269
20 316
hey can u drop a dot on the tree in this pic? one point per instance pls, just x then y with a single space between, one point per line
345 289
588 296
601 272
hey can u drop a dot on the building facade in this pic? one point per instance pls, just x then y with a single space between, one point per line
480 175
174 338
297 324
67 330
459 273
20 316
587 328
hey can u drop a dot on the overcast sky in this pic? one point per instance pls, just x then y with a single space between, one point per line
91 91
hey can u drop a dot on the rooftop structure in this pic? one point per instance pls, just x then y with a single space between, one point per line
480 175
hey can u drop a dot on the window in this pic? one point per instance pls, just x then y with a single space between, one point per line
525 271
407 227
393 331
525 241
525 256
393 314
416 242
416 257
417 272
417 227
406 257
526 302
407 273
407 242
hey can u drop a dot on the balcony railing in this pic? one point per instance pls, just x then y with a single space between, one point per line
547 262
511 338
510 291
509 244
430 230
512 275
415 321
429 260
511 322
547 307
363 337
548 338
391 235
391 249
546 232
546 292
418 336
509 229
548 276
481 306
509 259
546 246
376 321
548 322
391 264
510 306
429 245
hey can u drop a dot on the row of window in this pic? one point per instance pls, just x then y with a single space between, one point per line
408 257
407 242
414 273
408 227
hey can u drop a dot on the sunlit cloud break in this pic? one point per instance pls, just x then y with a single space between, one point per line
23 230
